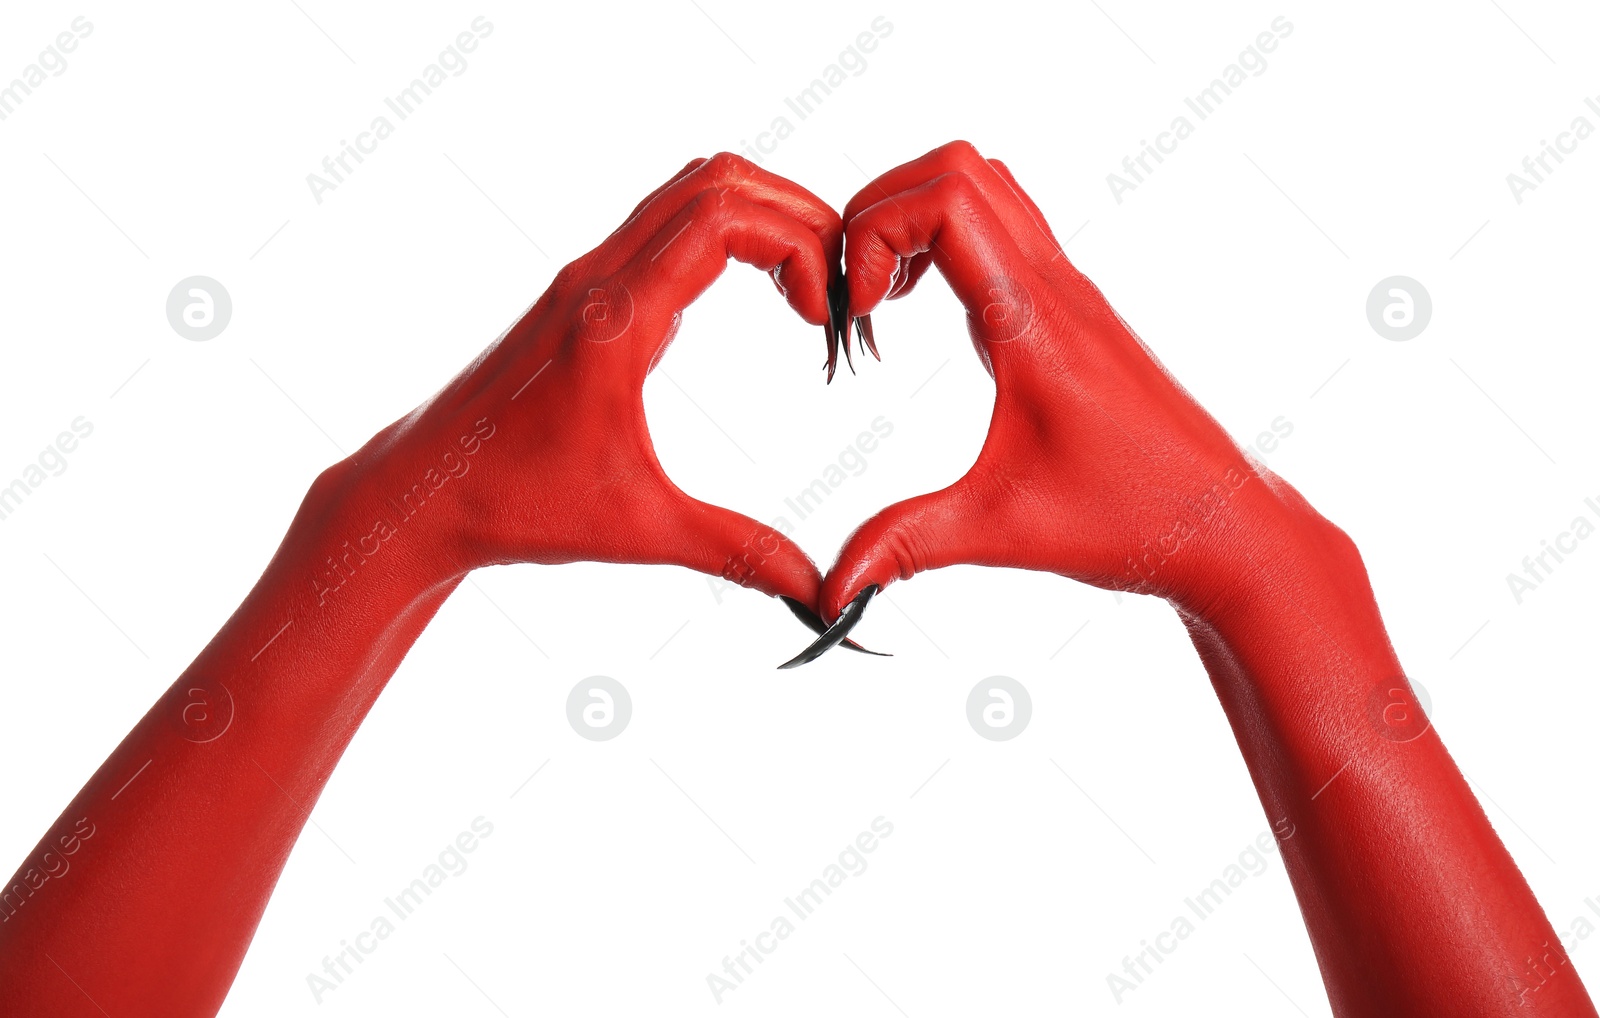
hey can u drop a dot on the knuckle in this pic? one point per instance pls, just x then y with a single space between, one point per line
738 570
726 169
712 206
956 188
569 278
744 563
832 222
959 153
863 234
903 553
856 231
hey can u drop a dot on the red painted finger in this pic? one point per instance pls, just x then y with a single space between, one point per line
722 173
909 272
948 219
721 542
691 165
926 532
1026 199
1017 216
687 255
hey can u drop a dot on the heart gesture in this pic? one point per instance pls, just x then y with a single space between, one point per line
1097 466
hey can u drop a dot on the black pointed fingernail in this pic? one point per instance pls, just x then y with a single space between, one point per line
853 645
831 330
835 634
811 619
839 314
864 335
814 622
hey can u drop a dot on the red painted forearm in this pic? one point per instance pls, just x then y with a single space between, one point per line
142 898
175 844
1413 905
1100 467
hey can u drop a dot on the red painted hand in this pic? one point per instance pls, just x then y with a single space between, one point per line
1097 465
537 452
546 430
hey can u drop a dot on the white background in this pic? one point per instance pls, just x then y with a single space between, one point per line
1376 142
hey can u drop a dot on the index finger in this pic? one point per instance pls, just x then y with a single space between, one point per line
1019 218
727 172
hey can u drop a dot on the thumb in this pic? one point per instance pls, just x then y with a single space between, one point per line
943 528
721 542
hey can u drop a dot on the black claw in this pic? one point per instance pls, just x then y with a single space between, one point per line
834 634
839 315
864 335
814 622
837 325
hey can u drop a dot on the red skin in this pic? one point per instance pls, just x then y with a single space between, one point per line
1100 467
157 904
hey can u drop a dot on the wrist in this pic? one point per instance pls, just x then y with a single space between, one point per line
1292 601
1265 548
362 535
